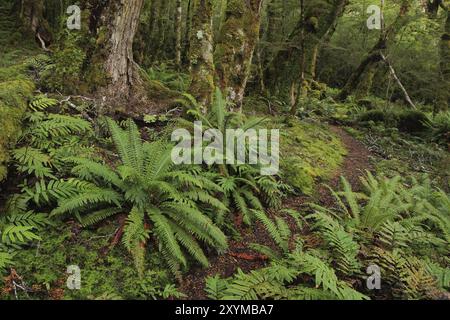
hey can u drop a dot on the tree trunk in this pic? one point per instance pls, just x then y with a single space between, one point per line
444 96
32 18
365 72
235 48
178 17
111 70
201 54
160 52
187 29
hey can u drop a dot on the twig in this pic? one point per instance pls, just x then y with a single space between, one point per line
391 69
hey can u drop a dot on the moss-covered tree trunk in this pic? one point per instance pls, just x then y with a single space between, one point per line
444 92
31 14
297 62
361 79
186 37
178 21
111 69
235 47
201 54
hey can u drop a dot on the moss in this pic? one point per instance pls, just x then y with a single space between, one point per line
410 121
14 96
103 270
13 72
393 167
309 153
235 46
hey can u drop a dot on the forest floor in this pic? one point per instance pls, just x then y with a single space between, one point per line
241 256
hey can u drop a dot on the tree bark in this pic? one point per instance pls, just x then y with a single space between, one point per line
303 44
187 29
178 18
120 66
111 71
32 18
201 54
235 47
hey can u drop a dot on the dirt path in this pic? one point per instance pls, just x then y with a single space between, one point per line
240 256
355 165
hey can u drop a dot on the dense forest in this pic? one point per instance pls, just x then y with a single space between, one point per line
224 149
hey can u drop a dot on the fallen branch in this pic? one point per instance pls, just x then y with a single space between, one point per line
42 43
249 257
391 69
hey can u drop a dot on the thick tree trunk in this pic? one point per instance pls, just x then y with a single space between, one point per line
119 66
235 48
111 71
361 78
201 54
32 18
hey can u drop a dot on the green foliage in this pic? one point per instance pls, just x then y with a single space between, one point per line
395 226
13 103
439 126
309 153
40 103
171 79
63 72
243 185
42 267
145 185
344 249
18 227
410 121
285 279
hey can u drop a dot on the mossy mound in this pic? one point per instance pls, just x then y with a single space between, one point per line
106 273
410 121
14 97
15 86
309 153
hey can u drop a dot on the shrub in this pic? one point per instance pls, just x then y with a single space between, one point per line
410 121
160 201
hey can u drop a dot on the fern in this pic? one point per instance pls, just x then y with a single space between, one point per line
281 280
215 287
167 199
344 249
6 259
40 103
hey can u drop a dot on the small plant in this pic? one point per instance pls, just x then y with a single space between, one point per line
243 185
